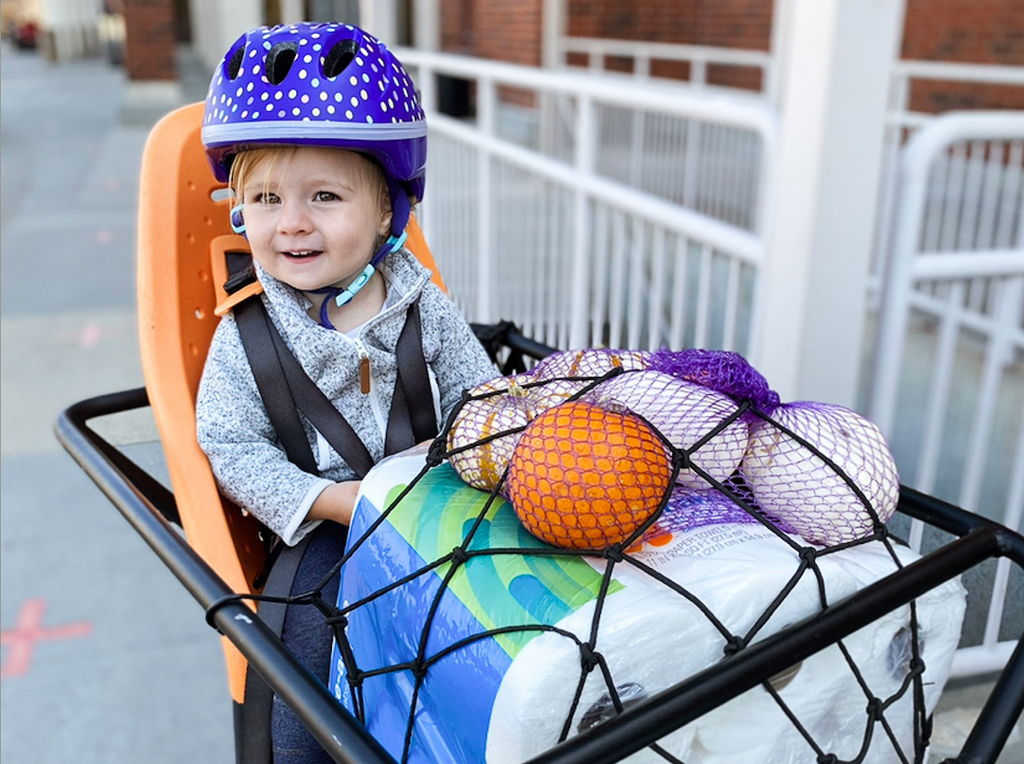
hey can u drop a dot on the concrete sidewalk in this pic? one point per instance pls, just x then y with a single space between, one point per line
106 658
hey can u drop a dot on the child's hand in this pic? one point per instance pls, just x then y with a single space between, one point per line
336 502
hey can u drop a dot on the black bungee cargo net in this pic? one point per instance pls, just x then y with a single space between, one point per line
623 381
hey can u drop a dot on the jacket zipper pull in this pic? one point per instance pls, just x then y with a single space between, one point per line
364 373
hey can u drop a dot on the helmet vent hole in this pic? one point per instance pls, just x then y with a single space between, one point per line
235 63
279 61
340 56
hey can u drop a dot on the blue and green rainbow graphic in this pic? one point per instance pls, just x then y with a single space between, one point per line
516 589
498 589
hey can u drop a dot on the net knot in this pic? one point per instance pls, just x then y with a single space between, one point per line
589 658
418 668
734 644
916 666
459 556
828 758
436 453
680 460
874 709
808 554
355 680
613 553
338 619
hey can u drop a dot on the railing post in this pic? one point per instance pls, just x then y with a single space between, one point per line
642 64
426 85
898 92
829 163
909 209
586 146
486 121
698 71
595 59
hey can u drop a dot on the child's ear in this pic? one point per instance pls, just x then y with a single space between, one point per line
384 229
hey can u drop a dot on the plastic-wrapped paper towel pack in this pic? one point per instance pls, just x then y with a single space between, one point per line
487 646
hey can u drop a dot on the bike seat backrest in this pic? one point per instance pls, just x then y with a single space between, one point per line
183 232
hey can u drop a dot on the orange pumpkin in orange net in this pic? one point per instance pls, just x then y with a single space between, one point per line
584 477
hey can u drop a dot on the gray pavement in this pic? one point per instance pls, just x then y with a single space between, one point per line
118 664
115 662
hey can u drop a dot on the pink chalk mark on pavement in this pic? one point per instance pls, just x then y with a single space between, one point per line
89 335
19 643
86 337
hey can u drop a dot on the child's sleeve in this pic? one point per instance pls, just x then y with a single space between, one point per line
457 358
239 440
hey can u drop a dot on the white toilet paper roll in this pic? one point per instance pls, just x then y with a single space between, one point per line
652 638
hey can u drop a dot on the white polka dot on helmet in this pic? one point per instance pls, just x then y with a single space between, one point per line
316 84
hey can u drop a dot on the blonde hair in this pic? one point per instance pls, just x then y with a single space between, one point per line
247 164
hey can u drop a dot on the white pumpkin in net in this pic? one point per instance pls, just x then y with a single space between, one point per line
591 362
792 483
685 413
486 430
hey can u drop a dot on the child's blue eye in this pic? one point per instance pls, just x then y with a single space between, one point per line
325 196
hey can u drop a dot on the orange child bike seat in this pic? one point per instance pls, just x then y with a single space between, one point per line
183 231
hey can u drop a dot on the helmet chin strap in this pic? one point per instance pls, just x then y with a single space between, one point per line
394 242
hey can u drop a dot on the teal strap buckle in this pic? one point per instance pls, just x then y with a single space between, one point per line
237 221
397 242
350 291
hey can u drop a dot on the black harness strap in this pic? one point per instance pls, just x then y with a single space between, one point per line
412 419
278 398
286 390
252 730
318 408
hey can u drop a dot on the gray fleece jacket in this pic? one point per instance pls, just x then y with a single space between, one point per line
233 427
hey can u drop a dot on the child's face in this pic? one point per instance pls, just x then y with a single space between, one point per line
313 215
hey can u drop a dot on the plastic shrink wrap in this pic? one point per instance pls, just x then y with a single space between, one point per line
505 698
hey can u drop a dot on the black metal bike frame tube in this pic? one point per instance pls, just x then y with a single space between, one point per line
999 714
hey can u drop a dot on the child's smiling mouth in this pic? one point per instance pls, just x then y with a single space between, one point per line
302 254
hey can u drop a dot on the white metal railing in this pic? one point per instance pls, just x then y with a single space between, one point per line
565 227
644 53
905 72
593 212
949 381
902 122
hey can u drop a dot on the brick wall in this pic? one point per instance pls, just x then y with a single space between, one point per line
150 40
654 20
457 26
512 31
745 24
720 23
495 29
967 31
974 31
734 24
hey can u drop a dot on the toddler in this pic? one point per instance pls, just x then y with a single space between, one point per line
318 132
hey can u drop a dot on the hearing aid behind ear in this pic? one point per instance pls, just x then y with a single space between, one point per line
237 221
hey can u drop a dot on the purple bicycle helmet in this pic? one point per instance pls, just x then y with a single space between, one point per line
328 85
319 85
